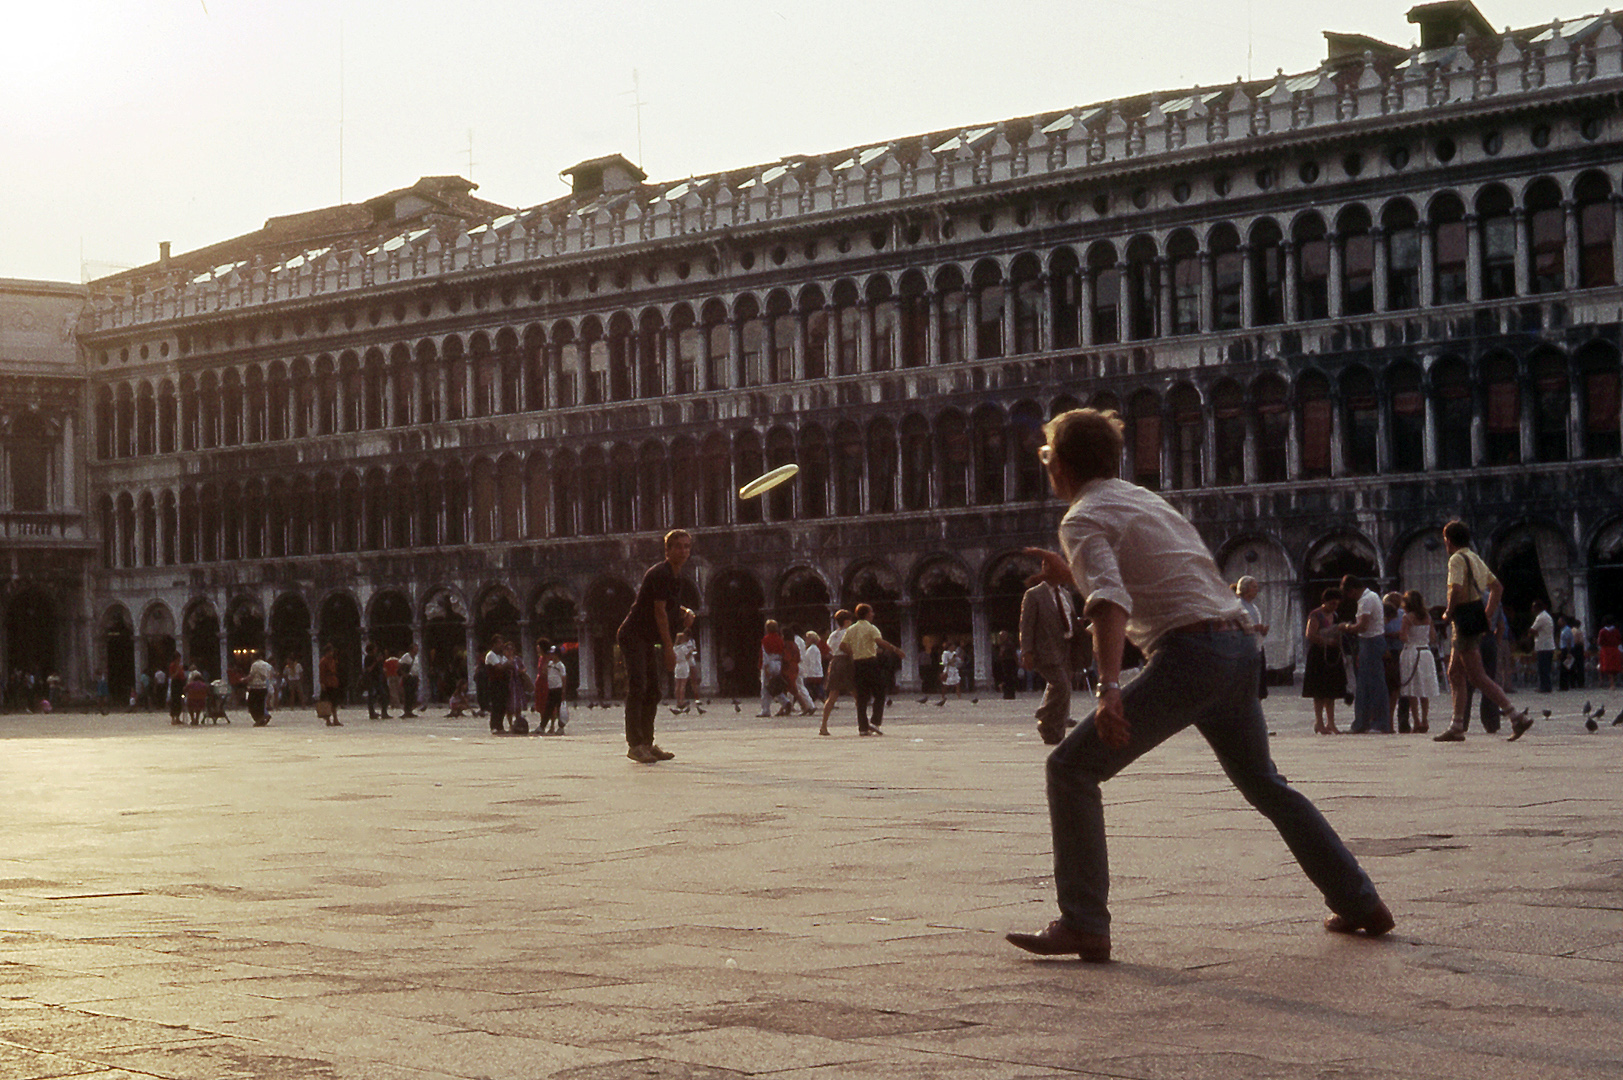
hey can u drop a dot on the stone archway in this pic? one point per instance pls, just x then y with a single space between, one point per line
1329 560
202 634
118 642
445 641
607 602
942 613
1605 577
390 622
802 600
157 637
1279 601
735 607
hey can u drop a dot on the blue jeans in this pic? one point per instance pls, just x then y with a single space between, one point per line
1207 679
1370 694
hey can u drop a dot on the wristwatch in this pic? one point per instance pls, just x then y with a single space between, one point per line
1110 686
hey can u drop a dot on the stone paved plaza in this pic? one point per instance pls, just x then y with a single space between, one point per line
417 899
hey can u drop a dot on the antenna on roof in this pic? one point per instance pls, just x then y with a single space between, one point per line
636 103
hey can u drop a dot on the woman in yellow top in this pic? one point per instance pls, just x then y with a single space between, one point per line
1470 581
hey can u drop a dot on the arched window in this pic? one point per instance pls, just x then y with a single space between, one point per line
124 429
402 498
431 402
168 416
510 367
1408 431
1451 386
1598 367
1312 267
594 347
1065 291
230 408
1504 411
594 492
813 481
1143 289
105 423
988 282
1024 280
882 466
650 481
1270 404
375 511
913 323
687 340
208 412
1188 436
1228 276
535 371
1144 438
1267 274
1184 253
1314 424
952 452
454 378
916 463
991 455
780 450
349 514
622 478
885 316
146 421
1105 284
1596 231
686 482
1552 405
1494 218
1402 227
1360 408
621 358
565 495
848 456
751 342
816 318
1026 436
747 461
780 348
30 447
375 389
1451 246
1357 261
1228 422
1547 222
847 329
509 499
716 492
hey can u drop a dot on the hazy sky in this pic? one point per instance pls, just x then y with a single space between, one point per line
127 122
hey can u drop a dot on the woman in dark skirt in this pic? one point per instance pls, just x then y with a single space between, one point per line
1325 679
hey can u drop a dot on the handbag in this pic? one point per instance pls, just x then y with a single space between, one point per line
1471 617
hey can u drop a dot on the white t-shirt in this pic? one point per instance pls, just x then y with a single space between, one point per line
811 662
1543 633
1369 603
555 674
260 675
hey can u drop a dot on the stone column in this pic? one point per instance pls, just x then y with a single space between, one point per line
1429 395
1617 239
1570 253
1163 315
1428 264
1529 445
864 337
1208 292
1575 416
1011 335
68 496
1086 291
932 344
972 323
1381 244
1293 303
907 679
1473 259
1045 321
470 387
981 640
1248 288
1293 444
1338 456
801 344
734 375
1124 304
1383 431
1337 273
1523 254
708 683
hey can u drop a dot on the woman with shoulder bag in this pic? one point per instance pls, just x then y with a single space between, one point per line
1473 599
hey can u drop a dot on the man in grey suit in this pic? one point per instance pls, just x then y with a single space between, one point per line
1047 623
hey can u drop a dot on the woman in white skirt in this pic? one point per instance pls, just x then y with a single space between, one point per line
1417 666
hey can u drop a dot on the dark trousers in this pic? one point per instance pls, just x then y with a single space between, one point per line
496 690
408 690
256 705
870 686
1546 670
642 690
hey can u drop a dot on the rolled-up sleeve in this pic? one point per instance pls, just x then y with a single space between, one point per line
1093 563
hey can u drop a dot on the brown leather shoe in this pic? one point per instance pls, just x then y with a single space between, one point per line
1052 734
1377 922
660 755
1060 940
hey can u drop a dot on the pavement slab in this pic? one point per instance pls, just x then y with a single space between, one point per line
420 900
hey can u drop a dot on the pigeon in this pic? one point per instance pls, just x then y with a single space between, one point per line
737 707
1586 708
974 701
1546 714
923 700
1591 725
1618 719
699 709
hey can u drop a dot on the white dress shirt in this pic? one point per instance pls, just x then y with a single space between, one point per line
1130 547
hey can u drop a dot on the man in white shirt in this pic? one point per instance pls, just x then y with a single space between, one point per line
1369 659
1146 576
1544 646
260 674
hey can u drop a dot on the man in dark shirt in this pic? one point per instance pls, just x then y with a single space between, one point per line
649 623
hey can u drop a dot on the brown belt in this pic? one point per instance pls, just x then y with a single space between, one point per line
1212 626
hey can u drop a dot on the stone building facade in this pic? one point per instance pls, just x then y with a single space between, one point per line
47 545
1335 308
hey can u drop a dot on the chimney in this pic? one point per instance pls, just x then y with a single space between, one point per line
163 254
